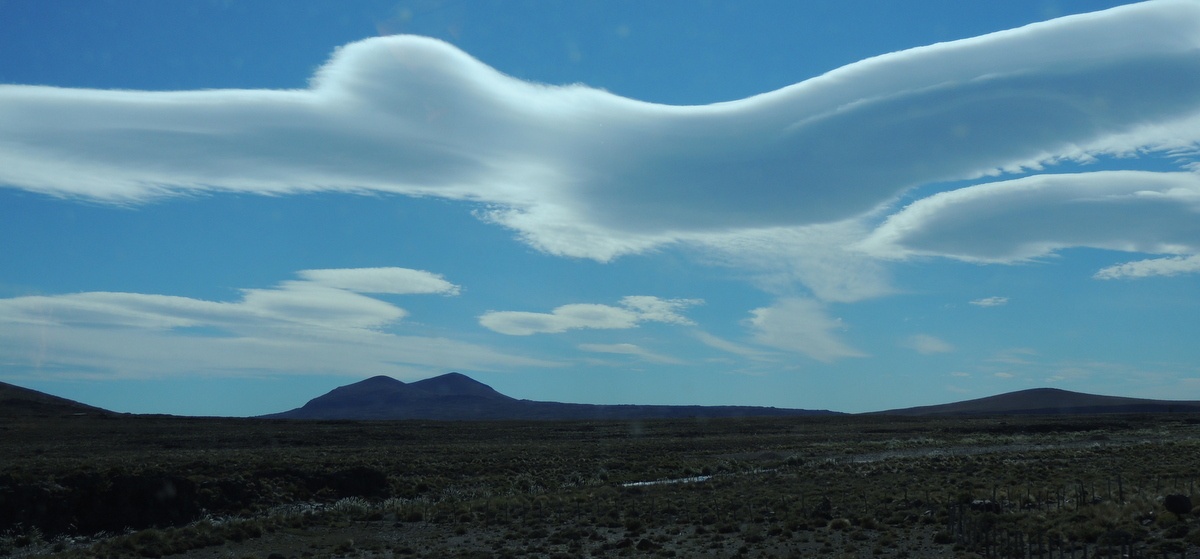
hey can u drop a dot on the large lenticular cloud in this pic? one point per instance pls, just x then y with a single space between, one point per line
582 172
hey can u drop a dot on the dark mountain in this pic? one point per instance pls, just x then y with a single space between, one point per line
23 402
444 397
1051 401
457 397
455 384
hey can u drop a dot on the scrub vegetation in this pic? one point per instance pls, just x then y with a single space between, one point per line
860 486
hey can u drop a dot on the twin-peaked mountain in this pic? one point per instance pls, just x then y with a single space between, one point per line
456 396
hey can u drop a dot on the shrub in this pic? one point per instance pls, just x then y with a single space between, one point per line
753 534
1176 531
351 507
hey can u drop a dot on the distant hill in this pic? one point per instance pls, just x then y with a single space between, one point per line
455 396
1051 401
23 402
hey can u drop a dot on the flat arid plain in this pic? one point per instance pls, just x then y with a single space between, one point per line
106 485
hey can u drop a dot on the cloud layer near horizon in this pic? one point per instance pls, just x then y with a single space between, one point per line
320 324
324 323
581 172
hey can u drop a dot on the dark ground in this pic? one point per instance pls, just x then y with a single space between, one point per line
137 486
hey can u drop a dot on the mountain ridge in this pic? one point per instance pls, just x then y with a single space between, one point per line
458 397
1049 401
16 401
454 396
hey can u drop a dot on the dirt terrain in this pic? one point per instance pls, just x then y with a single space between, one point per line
96 485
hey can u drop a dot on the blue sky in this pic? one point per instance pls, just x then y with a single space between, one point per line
214 208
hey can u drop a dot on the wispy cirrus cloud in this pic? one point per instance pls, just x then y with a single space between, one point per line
1015 356
990 302
926 344
735 348
821 257
801 326
632 350
633 311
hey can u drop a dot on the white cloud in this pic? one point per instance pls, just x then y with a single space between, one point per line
316 305
631 349
634 310
326 298
72 350
581 172
561 319
926 344
990 302
800 326
660 310
295 327
1015 356
1075 371
1153 267
401 281
129 310
730 347
818 256
1031 217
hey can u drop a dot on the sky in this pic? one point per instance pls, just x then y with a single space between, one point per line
230 208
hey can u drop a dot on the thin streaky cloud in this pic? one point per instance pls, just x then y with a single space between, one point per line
633 311
401 281
735 348
926 344
1015 356
561 319
632 350
990 302
1171 266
